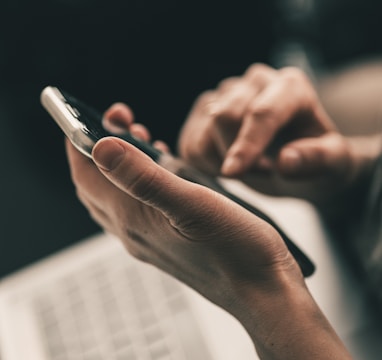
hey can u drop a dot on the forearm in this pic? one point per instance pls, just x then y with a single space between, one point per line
286 323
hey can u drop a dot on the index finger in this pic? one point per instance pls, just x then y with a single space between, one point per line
277 104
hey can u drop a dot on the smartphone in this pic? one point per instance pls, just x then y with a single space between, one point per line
82 124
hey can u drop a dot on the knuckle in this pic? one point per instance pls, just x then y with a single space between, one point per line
95 216
231 112
136 245
228 83
260 111
80 195
296 79
137 254
293 75
203 105
233 103
263 114
257 70
205 98
135 251
76 176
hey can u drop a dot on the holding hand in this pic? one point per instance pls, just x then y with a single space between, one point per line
221 250
174 224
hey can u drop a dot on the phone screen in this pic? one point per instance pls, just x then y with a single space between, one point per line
93 127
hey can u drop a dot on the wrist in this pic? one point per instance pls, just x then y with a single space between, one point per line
284 321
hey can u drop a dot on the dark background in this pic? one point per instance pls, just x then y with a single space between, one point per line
156 56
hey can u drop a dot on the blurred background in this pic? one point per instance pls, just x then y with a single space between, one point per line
157 56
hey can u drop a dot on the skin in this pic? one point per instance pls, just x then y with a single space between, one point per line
254 276
269 128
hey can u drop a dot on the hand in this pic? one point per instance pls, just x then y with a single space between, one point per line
205 240
143 204
269 128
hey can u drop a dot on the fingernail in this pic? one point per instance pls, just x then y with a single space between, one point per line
231 166
291 160
108 154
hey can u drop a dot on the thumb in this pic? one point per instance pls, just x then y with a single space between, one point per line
306 157
139 176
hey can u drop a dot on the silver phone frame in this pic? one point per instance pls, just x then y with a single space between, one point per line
67 119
